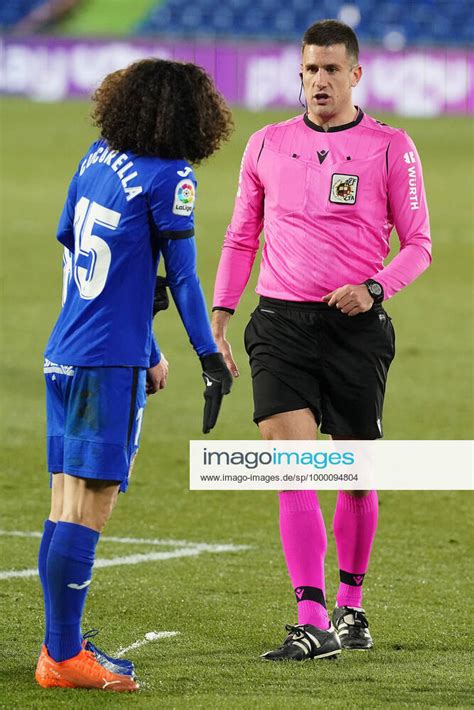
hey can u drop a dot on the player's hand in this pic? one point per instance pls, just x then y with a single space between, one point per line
160 298
220 321
156 376
218 382
350 299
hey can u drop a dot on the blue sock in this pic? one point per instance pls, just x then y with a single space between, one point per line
48 532
69 572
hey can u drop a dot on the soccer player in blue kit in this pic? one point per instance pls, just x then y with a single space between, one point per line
130 201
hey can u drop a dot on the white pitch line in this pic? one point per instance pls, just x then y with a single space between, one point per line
149 637
17 574
138 541
191 550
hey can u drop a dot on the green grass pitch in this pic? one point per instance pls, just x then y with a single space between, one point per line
228 607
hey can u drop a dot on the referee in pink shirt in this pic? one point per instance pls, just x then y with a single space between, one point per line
327 187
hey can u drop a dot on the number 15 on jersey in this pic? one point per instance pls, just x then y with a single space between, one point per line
92 255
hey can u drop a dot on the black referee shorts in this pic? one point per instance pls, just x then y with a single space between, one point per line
309 355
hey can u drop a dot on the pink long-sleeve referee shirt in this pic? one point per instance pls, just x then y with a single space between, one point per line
327 202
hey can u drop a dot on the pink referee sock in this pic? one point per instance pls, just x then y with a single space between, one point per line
355 523
303 536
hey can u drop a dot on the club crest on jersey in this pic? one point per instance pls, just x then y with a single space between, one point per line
343 189
184 197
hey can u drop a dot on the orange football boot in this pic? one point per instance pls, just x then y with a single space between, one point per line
81 671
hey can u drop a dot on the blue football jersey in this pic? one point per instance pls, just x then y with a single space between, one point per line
122 210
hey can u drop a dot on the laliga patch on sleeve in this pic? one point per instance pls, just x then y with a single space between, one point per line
184 197
343 189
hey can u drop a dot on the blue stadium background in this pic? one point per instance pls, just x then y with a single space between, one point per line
414 22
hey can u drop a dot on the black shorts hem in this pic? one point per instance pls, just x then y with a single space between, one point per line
257 417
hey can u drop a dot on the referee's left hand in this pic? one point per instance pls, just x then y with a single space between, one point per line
350 299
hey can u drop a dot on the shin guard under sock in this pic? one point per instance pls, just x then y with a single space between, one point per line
48 532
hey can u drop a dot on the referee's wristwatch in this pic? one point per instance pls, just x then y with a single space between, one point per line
375 289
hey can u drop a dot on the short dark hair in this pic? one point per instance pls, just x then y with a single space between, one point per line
328 32
162 108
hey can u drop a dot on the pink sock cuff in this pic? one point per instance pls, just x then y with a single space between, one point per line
358 505
298 501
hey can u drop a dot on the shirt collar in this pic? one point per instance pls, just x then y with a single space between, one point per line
333 129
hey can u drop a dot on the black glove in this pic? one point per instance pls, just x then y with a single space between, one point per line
218 382
160 299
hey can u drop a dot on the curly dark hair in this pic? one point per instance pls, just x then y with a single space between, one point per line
162 108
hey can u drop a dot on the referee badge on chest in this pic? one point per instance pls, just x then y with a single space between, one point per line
343 189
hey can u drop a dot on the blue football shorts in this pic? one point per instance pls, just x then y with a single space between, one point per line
93 420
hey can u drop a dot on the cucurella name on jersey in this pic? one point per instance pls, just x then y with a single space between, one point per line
126 172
